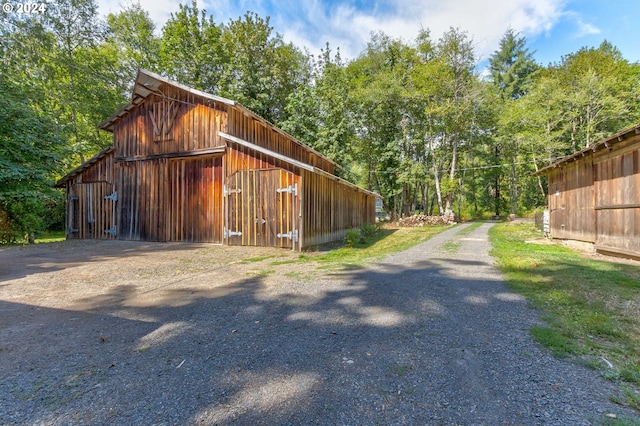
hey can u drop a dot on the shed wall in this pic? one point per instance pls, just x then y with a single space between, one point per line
330 208
571 202
257 132
617 207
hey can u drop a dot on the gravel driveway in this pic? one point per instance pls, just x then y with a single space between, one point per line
138 334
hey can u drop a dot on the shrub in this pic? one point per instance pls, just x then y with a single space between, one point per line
353 238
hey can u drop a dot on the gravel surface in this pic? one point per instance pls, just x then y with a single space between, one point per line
140 334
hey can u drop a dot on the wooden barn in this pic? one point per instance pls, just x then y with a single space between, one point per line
189 166
594 195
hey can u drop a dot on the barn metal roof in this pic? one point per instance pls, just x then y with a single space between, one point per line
606 143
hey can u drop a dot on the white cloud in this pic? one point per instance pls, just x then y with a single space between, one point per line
587 29
313 23
486 21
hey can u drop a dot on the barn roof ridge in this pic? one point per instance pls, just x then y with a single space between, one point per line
605 142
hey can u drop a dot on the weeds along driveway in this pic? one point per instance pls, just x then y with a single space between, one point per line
131 333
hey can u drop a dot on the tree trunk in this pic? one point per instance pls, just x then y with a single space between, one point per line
452 173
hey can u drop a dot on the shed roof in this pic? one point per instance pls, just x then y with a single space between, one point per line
61 182
602 144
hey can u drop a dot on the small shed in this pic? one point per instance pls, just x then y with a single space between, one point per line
190 166
594 195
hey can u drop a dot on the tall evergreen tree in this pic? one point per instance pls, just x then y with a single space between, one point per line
512 71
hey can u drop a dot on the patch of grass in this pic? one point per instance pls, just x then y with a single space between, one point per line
451 247
300 275
285 262
261 272
383 242
399 370
258 259
45 237
592 307
468 229
560 345
51 237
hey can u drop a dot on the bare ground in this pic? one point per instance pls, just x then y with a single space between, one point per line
118 332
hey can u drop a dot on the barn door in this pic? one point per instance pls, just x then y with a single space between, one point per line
260 208
196 200
91 211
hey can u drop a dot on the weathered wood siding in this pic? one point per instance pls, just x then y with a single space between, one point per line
617 205
258 132
263 208
171 200
102 170
179 122
196 200
89 214
330 208
144 200
571 202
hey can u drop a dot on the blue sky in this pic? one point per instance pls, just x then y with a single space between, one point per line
553 28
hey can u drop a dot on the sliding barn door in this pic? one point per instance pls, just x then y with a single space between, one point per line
260 208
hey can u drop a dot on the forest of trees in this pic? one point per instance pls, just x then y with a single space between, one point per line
415 121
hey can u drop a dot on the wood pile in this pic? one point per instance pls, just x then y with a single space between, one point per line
424 220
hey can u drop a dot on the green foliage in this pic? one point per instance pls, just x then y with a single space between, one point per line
321 115
131 33
353 238
29 157
412 121
262 70
191 49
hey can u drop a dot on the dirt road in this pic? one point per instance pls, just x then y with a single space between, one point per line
131 333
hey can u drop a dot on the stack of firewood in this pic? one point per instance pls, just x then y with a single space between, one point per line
421 220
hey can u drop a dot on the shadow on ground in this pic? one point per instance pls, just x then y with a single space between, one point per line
384 345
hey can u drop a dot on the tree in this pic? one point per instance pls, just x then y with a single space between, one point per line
456 97
601 86
75 75
191 49
319 113
131 32
512 71
381 84
512 66
30 149
262 70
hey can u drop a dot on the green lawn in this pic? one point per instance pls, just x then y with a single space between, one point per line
591 307
385 241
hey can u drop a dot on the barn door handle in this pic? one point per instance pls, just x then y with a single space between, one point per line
260 220
293 235
290 189
228 233
226 191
